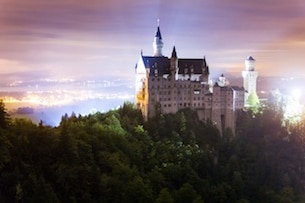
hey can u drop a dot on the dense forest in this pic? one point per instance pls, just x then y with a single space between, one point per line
119 157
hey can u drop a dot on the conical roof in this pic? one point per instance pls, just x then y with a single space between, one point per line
250 58
158 33
174 53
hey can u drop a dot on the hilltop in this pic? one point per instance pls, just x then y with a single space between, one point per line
118 157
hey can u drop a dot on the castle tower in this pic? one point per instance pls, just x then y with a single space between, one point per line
174 65
249 80
158 44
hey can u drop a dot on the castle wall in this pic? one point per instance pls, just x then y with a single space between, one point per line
166 85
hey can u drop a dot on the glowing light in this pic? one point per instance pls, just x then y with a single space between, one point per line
296 94
293 109
63 97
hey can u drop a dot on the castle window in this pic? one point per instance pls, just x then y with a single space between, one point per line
196 91
156 72
153 79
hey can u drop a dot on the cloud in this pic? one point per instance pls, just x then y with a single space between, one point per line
14 71
80 38
5 64
285 55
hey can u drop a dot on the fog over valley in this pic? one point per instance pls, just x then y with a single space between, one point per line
47 100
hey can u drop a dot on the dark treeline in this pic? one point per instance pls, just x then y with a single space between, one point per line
118 157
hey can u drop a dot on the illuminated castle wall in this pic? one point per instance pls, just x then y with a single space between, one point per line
167 84
249 78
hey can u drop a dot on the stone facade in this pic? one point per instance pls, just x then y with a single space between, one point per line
166 85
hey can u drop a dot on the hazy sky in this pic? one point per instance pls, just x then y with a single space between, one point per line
103 38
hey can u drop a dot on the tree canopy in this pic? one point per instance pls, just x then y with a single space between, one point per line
119 157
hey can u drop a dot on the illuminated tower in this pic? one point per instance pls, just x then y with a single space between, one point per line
249 77
158 44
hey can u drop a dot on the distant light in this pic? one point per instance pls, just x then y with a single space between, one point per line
296 94
293 109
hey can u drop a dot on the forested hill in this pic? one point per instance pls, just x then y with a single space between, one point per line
117 157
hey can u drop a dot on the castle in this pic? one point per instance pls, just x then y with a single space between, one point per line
166 85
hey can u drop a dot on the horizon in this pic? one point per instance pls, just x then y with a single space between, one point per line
51 100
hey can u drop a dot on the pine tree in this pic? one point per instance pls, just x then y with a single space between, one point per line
4 117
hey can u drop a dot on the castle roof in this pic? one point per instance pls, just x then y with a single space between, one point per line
237 88
161 63
229 88
195 65
186 66
174 53
158 33
250 58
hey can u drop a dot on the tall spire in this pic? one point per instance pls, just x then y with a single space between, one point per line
158 44
158 33
174 53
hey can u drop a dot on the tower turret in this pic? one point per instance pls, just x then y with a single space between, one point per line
158 44
250 63
222 81
174 64
249 82
174 53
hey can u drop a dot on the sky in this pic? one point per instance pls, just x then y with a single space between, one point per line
78 39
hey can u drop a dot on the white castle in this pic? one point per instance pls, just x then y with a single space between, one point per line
166 85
